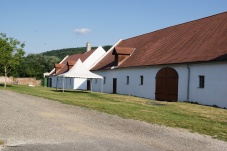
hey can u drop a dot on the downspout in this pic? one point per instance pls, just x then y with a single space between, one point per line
188 84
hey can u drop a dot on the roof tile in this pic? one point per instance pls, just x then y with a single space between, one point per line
72 60
201 40
123 50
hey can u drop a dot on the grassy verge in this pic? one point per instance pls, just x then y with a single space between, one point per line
196 118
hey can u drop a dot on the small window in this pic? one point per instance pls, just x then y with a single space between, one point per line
141 80
201 81
127 79
104 80
96 81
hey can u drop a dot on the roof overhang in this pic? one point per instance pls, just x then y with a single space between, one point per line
123 50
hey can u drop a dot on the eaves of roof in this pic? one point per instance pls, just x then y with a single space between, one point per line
72 59
202 40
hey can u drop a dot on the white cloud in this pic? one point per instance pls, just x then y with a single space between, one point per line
82 31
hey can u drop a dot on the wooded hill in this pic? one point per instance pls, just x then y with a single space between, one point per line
61 53
34 65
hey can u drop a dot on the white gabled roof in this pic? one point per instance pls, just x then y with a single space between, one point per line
80 71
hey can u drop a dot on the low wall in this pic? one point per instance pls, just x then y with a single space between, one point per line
9 80
20 81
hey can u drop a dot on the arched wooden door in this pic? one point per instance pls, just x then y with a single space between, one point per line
166 85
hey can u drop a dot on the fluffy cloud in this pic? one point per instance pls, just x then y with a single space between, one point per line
82 31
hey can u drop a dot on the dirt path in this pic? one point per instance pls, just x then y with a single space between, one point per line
28 122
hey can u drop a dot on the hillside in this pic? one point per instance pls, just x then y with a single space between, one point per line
61 53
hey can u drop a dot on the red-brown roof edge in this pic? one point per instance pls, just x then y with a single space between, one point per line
176 25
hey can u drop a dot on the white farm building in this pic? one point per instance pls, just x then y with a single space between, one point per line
186 62
61 70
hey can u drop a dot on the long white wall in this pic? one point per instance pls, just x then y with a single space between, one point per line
52 81
69 83
215 89
75 83
147 90
214 92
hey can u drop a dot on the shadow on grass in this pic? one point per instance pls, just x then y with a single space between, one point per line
83 92
71 91
156 104
2 85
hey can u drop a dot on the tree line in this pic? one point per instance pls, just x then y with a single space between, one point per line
33 65
13 61
61 53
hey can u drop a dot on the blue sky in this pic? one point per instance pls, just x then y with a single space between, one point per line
54 24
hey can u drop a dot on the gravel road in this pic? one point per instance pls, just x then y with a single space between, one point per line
33 123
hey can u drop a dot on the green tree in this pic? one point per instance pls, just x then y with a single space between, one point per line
34 65
11 53
61 53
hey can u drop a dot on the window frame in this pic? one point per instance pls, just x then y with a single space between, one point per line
141 80
127 80
201 81
104 80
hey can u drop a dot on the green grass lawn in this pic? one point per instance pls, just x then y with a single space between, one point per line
1 142
196 118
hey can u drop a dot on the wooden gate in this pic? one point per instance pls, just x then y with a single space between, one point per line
166 85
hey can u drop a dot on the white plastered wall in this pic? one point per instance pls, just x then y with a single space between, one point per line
76 83
214 92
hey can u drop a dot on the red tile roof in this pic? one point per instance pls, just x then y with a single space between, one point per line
124 50
71 63
72 60
59 65
201 40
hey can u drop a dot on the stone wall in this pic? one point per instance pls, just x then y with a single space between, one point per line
20 81
9 80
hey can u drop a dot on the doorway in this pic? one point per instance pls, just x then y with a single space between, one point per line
114 86
88 85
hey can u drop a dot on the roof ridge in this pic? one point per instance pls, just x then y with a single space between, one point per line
176 25
201 40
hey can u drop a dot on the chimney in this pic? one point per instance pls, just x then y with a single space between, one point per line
88 46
